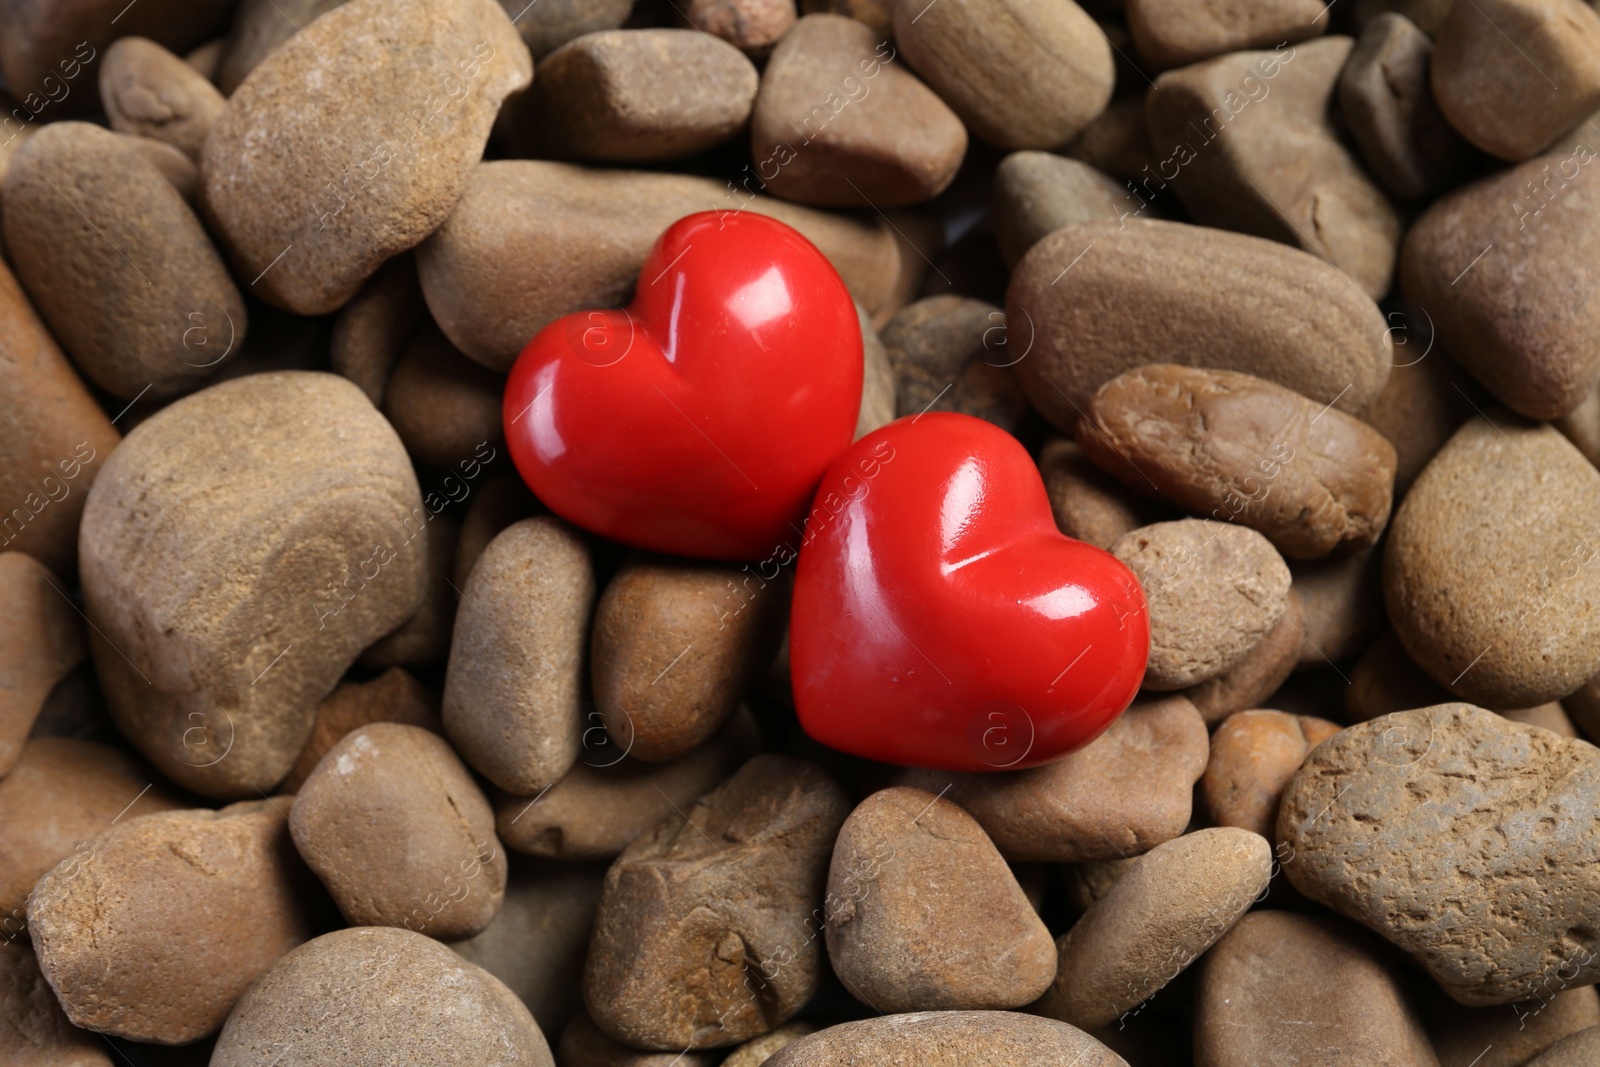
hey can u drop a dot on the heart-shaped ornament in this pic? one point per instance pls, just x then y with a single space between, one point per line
941 620
699 419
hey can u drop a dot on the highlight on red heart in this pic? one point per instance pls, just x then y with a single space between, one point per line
941 620
699 419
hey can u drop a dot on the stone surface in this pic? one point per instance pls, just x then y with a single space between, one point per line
37 1033
41 641
515 679
115 925
1214 592
1507 1036
582 236
922 913
1170 34
584 1045
1020 73
1489 559
1386 679
1301 991
948 354
758 1050
1551 716
840 121
1242 449
174 166
500 501
1574 1051
1123 794
1253 755
1101 298
424 639
1342 600
445 407
753 25
353 178
147 90
1251 681
707 932
393 696
878 14
369 997
219 626
1426 399
375 326
157 317
1258 152
261 27
1171 905
1088 503
550 24
949 1039
1118 142
1459 836
1037 193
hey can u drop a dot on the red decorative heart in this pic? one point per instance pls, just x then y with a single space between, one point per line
699 419
941 620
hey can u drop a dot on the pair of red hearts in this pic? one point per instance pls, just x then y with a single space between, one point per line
939 617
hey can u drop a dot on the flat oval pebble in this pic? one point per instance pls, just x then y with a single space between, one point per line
1242 449
924 915
1096 299
1254 754
147 90
370 997
949 1039
1489 562
353 178
1461 837
42 640
1214 591
1169 33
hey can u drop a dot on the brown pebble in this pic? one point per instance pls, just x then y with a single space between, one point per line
373 329
40 643
550 24
1342 598
147 90
444 406
393 696
1578 1050
1118 142
495 504
584 1045
1172 34
261 27
1253 756
879 14
37 1033
1549 716
1581 426
1509 1035
1386 679
754 26
1250 682
948 354
1088 503
1037 193
174 166
424 639
758 1050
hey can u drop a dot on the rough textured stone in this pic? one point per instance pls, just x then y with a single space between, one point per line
1088 503
41 641
115 926
37 1033
512 691
840 121
1104 297
1462 838
1214 591
949 1039
1490 559
1170 906
1020 73
1253 756
259 28
369 997
1254 137
1037 193
375 326
393 696
694 910
1251 681
353 178
1242 449
147 90
445 407
753 25
1510 1035
1302 991
1123 794
160 315
1169 33
922 913
582 236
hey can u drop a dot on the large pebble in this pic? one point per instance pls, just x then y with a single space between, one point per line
1096 299
219 626
41 640
708 929
1256 150
1463 838
393 696
146 90
515 679
158 313
373 997
117 925
924 915
676 646
840 121
1501 268
1513 75
1254 754
1173 904
1020 73
351 177
1037 193
949 1039
1123 794
37 1033
1214 592
1242 449
1089 504
1169 33
578 237
1303 991
1491 560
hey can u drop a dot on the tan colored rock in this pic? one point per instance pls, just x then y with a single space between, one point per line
1102 298
1257 151
549 24
1507 1036
369 996
1173 904
694 911
1121 795
497 503
1088 503
515 679
949 1039
1574 1051
424 639
1037 193
1118 142
584 1045
206 58
393 696
1581 426
1172 34
353 178
948 354
878 14
115 924
582 236
1491 556
1253 756
924 915
1214 592
1250 682
37 1033
841 121
1342 599
1456 835
444 406
376 325
146 90
1020 73
141 320
753 25
41 641
178 169
228 598
758 1050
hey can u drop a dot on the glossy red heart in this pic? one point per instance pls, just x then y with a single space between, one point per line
941 620
699 419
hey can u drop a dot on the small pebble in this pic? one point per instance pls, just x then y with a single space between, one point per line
393 696
948 354
147 90
41 641
1253 756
